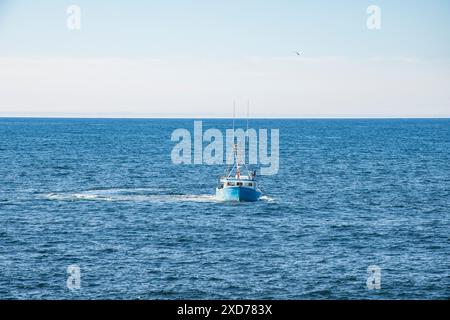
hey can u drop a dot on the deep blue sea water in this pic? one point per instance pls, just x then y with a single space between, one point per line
103 194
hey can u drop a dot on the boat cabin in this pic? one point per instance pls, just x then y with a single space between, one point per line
243 181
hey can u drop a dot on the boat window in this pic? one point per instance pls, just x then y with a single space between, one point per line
250 184
239 184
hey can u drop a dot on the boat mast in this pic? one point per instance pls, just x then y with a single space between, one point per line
228 173
234 115
236 156
248 114
247 141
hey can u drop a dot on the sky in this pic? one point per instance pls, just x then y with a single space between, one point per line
194 58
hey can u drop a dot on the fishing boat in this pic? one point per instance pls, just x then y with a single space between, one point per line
236 187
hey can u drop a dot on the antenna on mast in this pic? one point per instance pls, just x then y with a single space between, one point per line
248 112
234 115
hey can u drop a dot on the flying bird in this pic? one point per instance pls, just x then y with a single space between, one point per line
298 53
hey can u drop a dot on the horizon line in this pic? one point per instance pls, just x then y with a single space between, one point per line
187 116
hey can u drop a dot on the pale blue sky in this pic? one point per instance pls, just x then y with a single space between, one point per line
183 49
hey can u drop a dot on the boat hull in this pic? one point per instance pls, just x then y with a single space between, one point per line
238 194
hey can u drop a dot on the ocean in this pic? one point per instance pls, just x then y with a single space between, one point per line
104 195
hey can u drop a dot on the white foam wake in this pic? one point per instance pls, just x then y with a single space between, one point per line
267 199
137 195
